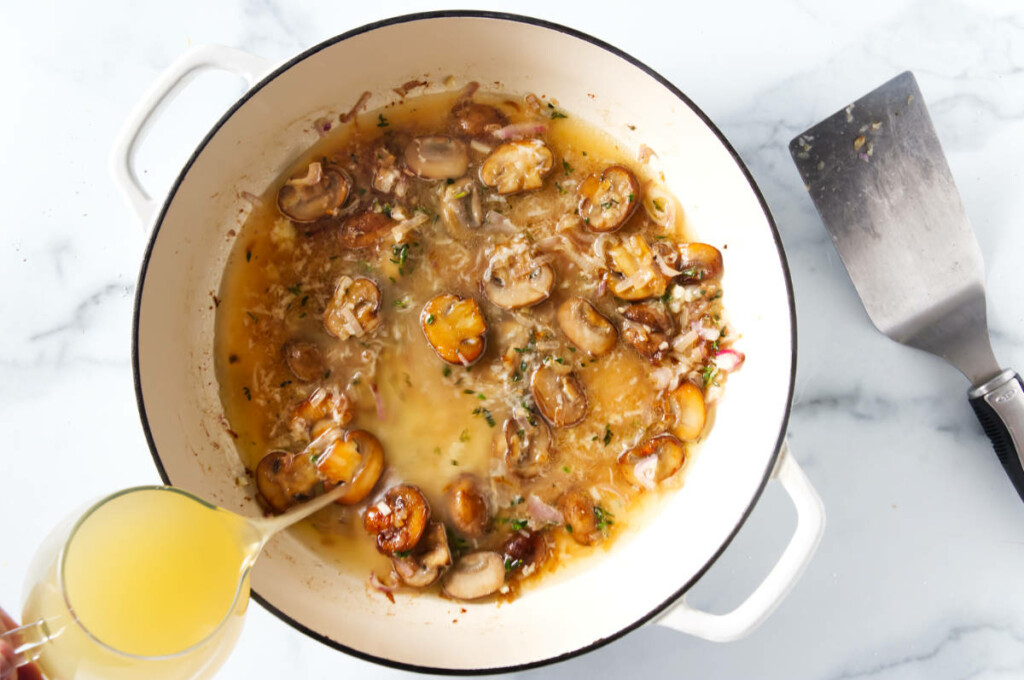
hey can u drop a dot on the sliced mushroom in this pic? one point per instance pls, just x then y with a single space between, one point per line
454 327
580 517
319 193
365 230
699 262
586 327
634 274
648 327
472 119
437 157
303 360
321 404
467 506
475 575
427 561
653 461
525 446
356 459
559 396
609 199
354 309
517 166
284 479
524 550
685 406
398 520
514 279
461 207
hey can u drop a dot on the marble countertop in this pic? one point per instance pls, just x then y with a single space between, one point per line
917 576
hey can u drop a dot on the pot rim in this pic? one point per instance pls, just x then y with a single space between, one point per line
571 32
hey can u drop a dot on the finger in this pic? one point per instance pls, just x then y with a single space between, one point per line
6 622
8 671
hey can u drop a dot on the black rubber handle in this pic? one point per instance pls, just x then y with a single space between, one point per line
1001 413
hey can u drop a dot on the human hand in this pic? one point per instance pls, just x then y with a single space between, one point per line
8 671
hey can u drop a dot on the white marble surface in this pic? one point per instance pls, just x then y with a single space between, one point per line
919 574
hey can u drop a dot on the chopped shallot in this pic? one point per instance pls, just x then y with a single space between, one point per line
378 401
541 512
646 471
322 126
728 360
520 130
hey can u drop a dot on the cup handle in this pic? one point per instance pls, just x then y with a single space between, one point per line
25 642
246 66
741 621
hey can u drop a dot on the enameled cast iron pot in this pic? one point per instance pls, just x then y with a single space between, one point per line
645 576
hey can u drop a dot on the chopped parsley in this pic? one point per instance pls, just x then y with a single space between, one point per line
607 434
401 303
511 564
631 198
566 469
382 121
566 167
399 255
517 500
455 542
555 115
604 518
248 255
568 527
253 317
708 374
430 319
657 204
485 413
446 371
464 436
461 194
248 393
518 524
560 189
454 462
294 290
403 553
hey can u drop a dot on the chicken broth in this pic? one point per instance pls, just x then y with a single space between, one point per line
482 317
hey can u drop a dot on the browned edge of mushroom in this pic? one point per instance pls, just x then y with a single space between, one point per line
648 327
581 522
513 280
475 575
474 119
455 328
586 328
608 200
461 206
559 396
284 479
524 446
398 520
517 166
699 262
304 360
524 551
361 463
653 461
317 194
467 506
634 275
354 309
365 230
687 411
427 561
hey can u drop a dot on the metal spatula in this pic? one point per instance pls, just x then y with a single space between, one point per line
878 177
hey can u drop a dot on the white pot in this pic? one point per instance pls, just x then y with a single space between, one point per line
644 577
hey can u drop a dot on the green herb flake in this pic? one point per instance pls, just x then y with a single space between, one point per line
248 255
568 527
485 413
517 500
430 319
566 167
631 198
518 524
555 115
604 518
657 205
464 436
511 564
461 194
294 290
401 554
454 462
560 189
446 371
437 450
382 121
607 434
248 393
401 303
566 469
253 317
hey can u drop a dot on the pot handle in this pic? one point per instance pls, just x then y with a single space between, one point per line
248 67
810 524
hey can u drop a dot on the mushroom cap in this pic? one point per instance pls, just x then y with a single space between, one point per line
608 200
437 157
473 119
428 561
517 166
586 328
461 206
354 309
699 262
525 447
399 519
475 575
578 510
304 360
634 273
559 396
467 506
513 278
283 479
648 327
454 328
319 193
365 230
653 460
685 406
357 460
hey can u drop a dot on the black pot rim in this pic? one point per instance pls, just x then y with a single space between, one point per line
502 16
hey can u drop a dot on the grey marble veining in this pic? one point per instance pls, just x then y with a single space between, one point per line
918 575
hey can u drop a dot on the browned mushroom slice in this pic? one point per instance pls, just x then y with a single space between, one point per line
559 396
634 274
685 406
436 157
475 575
472 119
524 551
609 199
354 309
284 479
365 230
398 520
461 207
586 327
321 404
427 561
648 328
356 460
524 446
517 166
653 461
303 360
454 327
699 262
319 193
580 515
514 279
467 506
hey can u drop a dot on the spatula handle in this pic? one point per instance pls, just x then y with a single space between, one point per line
999 405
